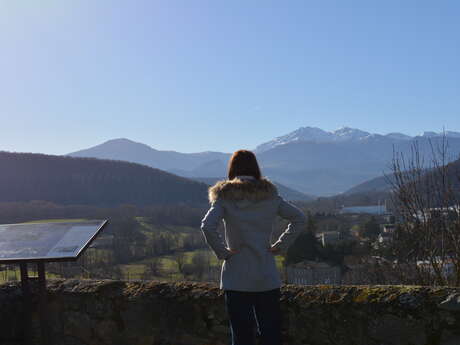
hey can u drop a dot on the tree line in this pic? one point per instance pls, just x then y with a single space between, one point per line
89 181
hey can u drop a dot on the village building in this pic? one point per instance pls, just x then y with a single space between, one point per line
373 209
328 237
313 273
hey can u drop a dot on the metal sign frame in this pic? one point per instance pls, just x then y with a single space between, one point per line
56 259
25 287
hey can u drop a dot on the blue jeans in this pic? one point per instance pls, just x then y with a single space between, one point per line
254 312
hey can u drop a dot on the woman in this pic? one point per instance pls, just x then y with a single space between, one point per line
248 204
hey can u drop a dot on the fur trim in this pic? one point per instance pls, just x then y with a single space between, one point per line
239 189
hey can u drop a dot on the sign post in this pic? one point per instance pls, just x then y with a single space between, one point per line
39 243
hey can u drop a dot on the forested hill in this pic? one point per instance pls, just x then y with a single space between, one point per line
383 184
89 181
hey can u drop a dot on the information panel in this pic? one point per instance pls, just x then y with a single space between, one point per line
47 241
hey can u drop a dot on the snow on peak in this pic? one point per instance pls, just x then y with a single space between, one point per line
309 134
301 134
449 134
347 133
429 134
316 135
398 136
343 134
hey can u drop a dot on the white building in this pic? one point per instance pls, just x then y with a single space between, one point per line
375 209
447 267
313 273
328 237
436 212
388 228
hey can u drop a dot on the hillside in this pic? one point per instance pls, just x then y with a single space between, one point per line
131 151
378 184
89 181
383 184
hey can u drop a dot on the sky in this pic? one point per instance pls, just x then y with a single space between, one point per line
217 75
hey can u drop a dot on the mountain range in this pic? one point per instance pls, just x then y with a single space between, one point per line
89 181
344 134
309 160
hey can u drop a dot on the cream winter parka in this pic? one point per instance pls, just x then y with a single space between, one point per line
248 208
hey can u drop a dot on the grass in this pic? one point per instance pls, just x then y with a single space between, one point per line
7 275
135 270
154 228
169 266
167 261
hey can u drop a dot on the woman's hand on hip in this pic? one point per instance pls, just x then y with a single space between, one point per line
274 250
232 252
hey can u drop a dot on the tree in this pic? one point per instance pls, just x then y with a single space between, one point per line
125 233
426 200
371 228
305 246
179 258
154 267
200 263
335 253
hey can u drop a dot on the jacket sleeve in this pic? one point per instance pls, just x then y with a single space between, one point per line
297 222
209 226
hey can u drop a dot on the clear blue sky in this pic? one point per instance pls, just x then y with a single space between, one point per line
221 75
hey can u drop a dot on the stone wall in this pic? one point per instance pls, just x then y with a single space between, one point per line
87 312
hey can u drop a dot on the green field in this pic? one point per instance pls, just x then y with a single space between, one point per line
158 229
8 273
14 274
168 267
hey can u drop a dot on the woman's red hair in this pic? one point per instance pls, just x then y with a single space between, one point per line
243 162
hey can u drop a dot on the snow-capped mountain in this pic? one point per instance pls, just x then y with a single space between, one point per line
344 134
429 134
302 134
398 136
316 135
310 160
347 133
448 134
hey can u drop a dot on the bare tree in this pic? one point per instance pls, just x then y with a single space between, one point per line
426 243
154 267
201 263
179 258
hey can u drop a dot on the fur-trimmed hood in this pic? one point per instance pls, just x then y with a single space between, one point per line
243 189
